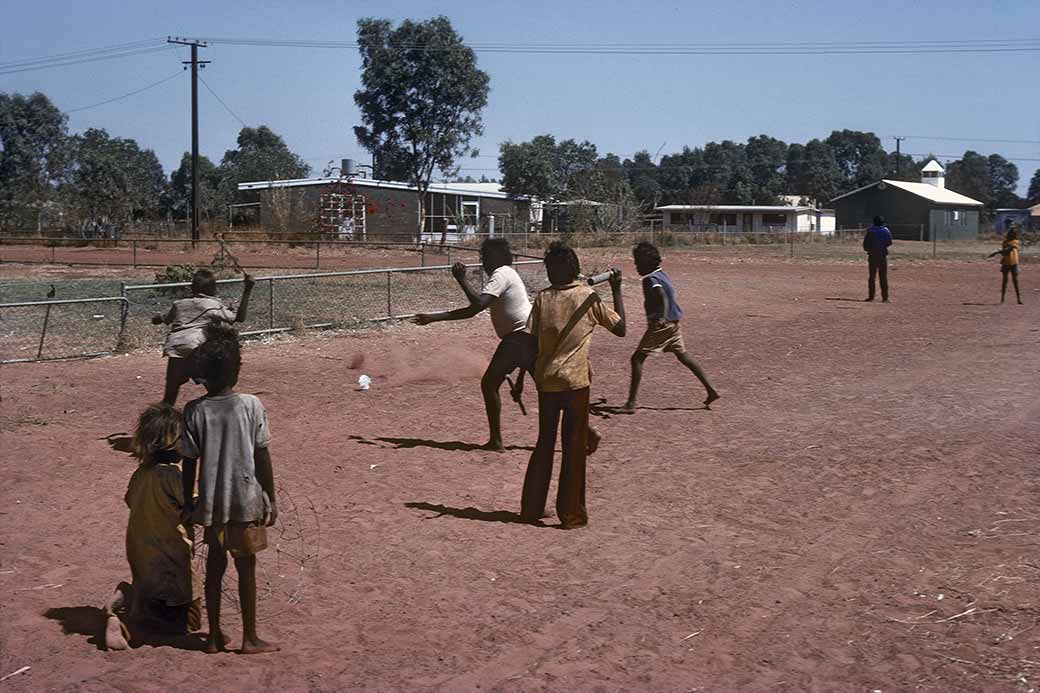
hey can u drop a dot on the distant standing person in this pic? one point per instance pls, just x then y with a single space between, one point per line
875 244
506 296
1009 263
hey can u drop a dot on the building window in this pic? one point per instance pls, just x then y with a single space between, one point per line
678 218
774 220
723 218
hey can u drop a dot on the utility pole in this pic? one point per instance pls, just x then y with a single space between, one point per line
899 160
195 65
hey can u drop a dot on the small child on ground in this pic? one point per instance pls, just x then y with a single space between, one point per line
562 319
1009 263
228 432
158 546
187 317
663 333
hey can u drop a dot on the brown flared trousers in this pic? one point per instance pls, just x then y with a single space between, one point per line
570 498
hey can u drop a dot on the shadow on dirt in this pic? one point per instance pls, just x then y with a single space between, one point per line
91 621
605 411
470 513
407 443
120 442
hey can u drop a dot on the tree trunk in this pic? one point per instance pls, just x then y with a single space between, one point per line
422 214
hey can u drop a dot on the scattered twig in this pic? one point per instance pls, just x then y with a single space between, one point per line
49 585
15 673
693 634
911 621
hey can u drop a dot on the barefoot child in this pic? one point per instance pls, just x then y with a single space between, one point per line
1009 263
157 546
506 296
663 333
228 433
562 319
187 317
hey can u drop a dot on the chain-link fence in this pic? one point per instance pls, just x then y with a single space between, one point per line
58 329
281 303
259 254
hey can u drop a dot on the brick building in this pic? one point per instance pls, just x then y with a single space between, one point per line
366 209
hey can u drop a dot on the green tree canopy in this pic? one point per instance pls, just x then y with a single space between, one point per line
33 156
549 170
178 198
261 155
420 99
860 158
1033 196
112 180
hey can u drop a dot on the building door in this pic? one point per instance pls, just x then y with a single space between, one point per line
749 222
470 217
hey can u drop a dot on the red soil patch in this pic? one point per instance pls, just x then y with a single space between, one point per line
858 511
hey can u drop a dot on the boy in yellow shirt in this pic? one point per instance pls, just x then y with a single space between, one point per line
562 320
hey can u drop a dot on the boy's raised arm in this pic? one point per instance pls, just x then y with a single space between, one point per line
458 270
243 305
265 475
619 304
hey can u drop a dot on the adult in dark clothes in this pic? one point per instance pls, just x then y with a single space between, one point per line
875 245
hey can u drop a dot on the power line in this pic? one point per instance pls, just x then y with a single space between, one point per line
778 48
226 107
971 139
80 53
126 95
86 59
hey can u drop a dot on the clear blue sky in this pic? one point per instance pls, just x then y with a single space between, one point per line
621 103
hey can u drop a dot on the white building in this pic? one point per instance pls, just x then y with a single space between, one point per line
747 218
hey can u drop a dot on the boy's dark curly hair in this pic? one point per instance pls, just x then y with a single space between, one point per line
499 248
204 282
560 254
218 360
646 252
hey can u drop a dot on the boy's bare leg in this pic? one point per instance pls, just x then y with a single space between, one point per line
216 564
1018 294
176 375
686 360
1003 286
502 364
251 644
638 358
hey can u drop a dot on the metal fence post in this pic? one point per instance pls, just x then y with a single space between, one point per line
133 255
270 303
920 232
934 234
422 254
43 333
124 310
317 255
389 313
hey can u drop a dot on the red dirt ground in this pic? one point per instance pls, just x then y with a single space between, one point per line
858 512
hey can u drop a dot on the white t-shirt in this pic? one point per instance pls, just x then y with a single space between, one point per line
511 306
224 431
